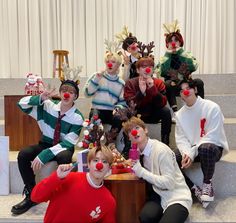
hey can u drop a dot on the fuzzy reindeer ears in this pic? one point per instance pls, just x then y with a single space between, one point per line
71 74
146 50
112 46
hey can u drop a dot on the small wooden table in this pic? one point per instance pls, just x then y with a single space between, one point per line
130 193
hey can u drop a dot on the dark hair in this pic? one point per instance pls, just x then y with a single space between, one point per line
177 35
72 84
128 41
191 83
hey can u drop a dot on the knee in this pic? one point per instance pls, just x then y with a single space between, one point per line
23 155
64 157
206 149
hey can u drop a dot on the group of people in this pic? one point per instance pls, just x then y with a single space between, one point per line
199 135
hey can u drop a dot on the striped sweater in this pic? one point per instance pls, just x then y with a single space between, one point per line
46 114
107 92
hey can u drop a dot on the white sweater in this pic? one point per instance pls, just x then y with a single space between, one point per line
188 131
164 175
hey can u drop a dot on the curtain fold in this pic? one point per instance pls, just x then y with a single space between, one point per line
31 29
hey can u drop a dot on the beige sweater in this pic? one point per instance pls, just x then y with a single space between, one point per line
164 175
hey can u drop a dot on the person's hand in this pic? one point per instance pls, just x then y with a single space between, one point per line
47 94
36 164
172 83
186 161
63 170
115 111
126 58
150 82
142 85
100 74
137 168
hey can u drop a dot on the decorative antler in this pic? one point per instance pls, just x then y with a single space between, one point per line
71 74
112 46
171 27
142 48
123 35
149 47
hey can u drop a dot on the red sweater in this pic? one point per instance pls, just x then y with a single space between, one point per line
155 96
73 200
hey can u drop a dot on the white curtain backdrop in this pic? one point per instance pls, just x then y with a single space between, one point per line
31 29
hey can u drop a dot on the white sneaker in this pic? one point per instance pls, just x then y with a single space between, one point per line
207 192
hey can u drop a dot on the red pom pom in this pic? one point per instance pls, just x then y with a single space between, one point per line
109 65
148 70
99 166
186 92
66 95
85 145
134 132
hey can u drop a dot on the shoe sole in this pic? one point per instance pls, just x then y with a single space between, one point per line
207 198
205 204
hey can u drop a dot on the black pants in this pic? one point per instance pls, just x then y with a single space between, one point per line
173 91
208 155
27 155
157 114
152 212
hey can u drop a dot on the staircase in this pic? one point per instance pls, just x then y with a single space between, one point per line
218 88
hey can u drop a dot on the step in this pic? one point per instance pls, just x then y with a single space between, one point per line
218 83
221 210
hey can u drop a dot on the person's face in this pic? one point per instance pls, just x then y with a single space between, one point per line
133 48
173 44
141 135
145 71
187 93
98 166
112 66
67 94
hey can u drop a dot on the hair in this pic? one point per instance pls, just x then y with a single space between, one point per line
115 56
105 151
177 35
128 41
191 83
72 84
149 61
131 123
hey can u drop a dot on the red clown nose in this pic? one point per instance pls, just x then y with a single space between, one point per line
148 70
173 44
133 47
109 65
186 92
66 95
99 166
134 132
